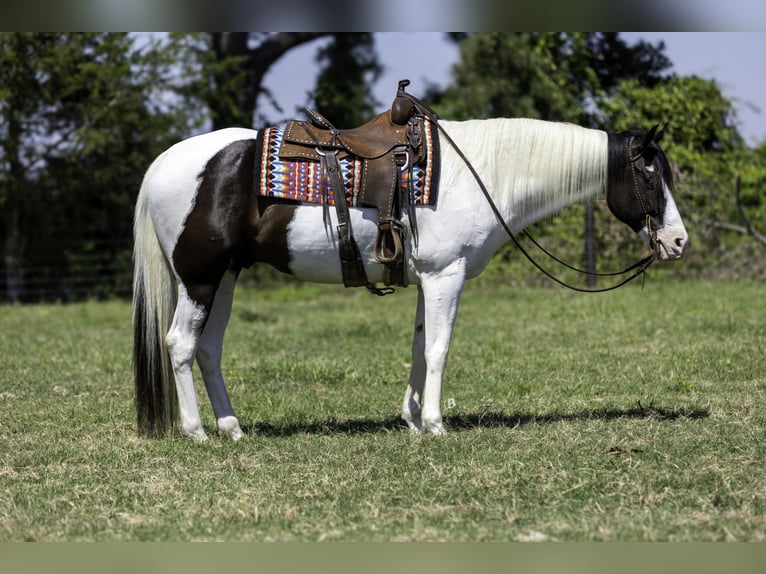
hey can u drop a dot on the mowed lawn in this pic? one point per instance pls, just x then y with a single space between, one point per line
633 415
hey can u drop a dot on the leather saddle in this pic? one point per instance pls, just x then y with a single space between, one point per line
369 141
388 144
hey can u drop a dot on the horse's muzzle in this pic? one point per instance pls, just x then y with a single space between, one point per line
668 243
672 243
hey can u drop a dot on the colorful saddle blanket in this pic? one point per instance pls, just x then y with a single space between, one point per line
301 179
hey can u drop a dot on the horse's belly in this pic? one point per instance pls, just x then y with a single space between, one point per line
313 245
443 241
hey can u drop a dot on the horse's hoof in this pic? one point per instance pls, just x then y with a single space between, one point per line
197 435
436 428
229 426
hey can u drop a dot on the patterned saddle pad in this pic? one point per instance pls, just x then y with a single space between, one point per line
301 180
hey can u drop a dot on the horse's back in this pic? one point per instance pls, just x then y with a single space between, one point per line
194 152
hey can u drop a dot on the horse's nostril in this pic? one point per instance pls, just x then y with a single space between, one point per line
681 243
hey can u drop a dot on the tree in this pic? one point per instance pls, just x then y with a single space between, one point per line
342 92
228 70
551 76
79 126
504 75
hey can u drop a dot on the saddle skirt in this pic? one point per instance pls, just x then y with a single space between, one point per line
301 179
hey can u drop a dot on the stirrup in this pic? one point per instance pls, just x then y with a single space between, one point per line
384 254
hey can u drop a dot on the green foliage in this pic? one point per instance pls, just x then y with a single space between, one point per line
224 72
700 119
216 75
551 76
751 165
507 75
83 116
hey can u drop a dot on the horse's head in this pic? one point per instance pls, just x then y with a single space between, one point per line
640 191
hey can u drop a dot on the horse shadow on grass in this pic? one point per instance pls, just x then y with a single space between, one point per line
472 421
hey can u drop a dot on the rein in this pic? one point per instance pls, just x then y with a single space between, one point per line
640 266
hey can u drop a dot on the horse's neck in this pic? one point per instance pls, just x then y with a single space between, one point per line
534 169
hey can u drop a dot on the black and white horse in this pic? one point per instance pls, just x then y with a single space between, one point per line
198 223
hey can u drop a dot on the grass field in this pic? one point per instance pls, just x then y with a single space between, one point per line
634 415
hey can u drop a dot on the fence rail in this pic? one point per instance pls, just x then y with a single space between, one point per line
89 270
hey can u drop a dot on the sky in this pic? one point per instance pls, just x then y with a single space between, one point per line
733 59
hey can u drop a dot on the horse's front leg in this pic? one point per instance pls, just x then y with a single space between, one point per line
441 296
414 393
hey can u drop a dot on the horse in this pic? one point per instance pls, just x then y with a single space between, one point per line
198 224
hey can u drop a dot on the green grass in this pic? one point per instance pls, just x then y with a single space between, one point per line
634 415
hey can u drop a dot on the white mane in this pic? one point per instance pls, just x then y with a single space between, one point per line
532 168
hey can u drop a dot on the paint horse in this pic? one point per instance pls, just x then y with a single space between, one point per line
198 224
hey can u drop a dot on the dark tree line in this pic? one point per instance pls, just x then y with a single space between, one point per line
83 115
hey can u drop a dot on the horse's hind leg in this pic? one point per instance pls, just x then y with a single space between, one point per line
414 394
209 352
182 341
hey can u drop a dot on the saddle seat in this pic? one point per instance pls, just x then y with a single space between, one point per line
369 141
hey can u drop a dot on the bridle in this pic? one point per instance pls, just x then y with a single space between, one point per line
652 225
633 271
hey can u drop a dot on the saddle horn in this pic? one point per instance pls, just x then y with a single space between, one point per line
402 108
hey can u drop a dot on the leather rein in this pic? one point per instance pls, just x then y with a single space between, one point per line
638 268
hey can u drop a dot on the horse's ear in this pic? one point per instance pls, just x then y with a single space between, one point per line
647 138
659 134
641 143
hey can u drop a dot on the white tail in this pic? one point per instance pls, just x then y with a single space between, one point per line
154 299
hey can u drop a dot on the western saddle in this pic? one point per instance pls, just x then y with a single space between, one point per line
386 145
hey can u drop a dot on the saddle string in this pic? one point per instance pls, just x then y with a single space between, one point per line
640 266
